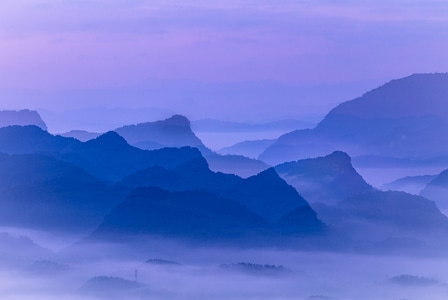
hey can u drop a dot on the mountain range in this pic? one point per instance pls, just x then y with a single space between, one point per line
159 179
58 183
176 132
404 118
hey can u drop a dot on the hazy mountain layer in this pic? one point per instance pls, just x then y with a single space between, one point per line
172 132
250 149
403 118
21 117
437 190
327 179
393 219
410 184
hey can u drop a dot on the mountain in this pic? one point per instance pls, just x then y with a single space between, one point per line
401 209
47 268
114 288
212 125
172 132
19 250
57 174
437 190
269 196
176 132
265 193
251 149
21 117
327 179
387 216
236 164
41 192
197 214
108 157
410 184
32 139
403 118
81 135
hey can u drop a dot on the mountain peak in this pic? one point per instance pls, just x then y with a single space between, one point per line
340 157
415 95
172 132
22 117
176 120
110 138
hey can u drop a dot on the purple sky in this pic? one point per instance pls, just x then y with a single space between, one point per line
89 44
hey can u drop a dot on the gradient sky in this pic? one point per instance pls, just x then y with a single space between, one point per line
88 44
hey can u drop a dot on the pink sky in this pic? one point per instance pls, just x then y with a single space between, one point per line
334 50
77 44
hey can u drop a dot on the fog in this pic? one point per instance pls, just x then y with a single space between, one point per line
160 269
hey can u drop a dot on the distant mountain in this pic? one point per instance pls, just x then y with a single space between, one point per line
256 269
403 118
20 250
236 164
108 287
176 132
384 216
21 117
401 209
172 132
47 268
81 135
408 280
161 262
251 149
437 190
410 184
212 125
327 179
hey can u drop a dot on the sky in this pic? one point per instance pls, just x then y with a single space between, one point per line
50 50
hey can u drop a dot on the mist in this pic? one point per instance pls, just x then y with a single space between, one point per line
168 269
